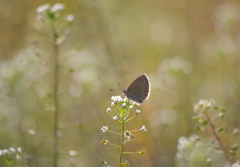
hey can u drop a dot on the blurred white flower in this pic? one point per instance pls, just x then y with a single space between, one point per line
43 8
115 118
108 110
73 153
104 128
69 18
57 7
124 105
143 128
137 111
31 131
202 105
12 149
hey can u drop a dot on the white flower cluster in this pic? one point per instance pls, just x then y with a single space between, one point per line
52 12
117 99
202 105
13 154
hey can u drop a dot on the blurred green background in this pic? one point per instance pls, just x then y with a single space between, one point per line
188 48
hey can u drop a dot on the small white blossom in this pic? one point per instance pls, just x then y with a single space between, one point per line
69 18
115 118
143 128
108 110
32 131
19 149
112 104
5 151
128 135
43 8
137 111
1 153
18 157
104 128
235 131
202 105
73 153
117 98
12 149
124 105
57 7
130 107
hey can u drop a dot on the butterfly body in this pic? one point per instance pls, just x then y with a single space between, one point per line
139 89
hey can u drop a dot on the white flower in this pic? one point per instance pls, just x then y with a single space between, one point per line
130 107
43 8
32 131
104 128
12 149
115 118
69 18
108 110
112 104
128 135
19 149
202 105
18 157
57 7
116 99
5 151
124 105
73 153
235 131
137 111
143 128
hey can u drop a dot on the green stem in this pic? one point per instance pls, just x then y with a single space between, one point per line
122 139
131 118
114 132
55 95
217 137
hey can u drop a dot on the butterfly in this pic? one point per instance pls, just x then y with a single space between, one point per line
139 89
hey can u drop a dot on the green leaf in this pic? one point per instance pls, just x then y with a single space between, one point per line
220 129
198 128
205 122
232 153
197 118
222 110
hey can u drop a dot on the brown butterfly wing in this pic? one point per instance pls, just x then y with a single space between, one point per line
139 89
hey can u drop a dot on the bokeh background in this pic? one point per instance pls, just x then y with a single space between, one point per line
188 48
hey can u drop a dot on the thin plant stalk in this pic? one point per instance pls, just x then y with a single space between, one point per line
122 139
55 94
218 139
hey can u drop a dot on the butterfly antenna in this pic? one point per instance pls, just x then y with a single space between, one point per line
117 89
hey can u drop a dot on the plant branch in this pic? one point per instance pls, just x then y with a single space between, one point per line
217 137
55 94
